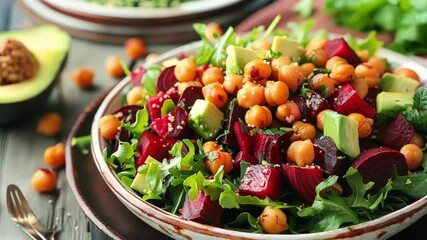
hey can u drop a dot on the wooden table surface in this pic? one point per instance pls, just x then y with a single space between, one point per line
21 147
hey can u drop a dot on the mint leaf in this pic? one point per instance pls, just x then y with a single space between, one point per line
420 98
418 119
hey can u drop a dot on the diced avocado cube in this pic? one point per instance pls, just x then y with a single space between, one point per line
237 57
392 103
394 83
140 183
205 119
344 131
286 47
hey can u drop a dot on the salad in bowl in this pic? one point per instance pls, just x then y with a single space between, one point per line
267 136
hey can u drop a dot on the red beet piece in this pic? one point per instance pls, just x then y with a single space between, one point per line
190 95
244 140
202 210
137 75
151 144
154 104
396 134
305 113
243 156
371 97
261 181
128 113
378 165
315 103
271 147
172 125
339 47
234 113
328 157
166 79
303 180
345 100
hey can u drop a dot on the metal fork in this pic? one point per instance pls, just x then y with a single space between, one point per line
22 214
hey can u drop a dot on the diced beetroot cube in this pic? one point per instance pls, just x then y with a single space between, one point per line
128 113
339 47
379 165
303 180
345 100
371 98
328 157
315 103
172 125
154 104
151 144
305 113
245 141
202 210
243 156
271 147
261 181
166 79
136 76
234 113
190 95
396 134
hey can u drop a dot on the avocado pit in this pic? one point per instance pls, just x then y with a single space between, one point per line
17 63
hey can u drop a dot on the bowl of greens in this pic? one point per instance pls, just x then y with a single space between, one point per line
261 136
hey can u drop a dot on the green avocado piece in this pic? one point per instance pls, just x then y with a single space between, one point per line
237 57
286 47
394 83
140 183
392 103
344 131
205 119
50 46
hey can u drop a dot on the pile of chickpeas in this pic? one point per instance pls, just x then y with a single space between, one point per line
264 87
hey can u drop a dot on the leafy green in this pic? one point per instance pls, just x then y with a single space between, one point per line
414 185
82 144
370 43
417 116
141 123
149 79
405 19
420 98
168 105
245 222
304 8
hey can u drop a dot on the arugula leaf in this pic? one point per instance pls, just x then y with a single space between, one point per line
229 199
301 32
219 55
149 79
195 184
168 105
82 144
420 98
370 43
414 185
245 222
141 123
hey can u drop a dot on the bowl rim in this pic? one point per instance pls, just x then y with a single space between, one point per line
415 210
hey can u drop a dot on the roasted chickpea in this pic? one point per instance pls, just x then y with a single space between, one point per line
250 95
135 48
212 74
44 180
50 124
55 155
320 118
292 75
83 77
322 83
363 55
342 73
364 124
378 63
258 116
134 96
413 155
210 146
185 70
276 93
109 126
277 63
335 60
361 87
307 68
213 29
257 70
113 66
301 152
261 44
406 72
216 159
316 43
368 73
288 112
303 131
215 94
318 57
232 83
273 220
418 140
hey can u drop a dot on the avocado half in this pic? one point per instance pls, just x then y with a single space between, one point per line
50 46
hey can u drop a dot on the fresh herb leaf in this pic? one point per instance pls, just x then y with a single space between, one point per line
168 105
414 185
141 123
219 55
420 98
370 43
245 222
304 8
418 119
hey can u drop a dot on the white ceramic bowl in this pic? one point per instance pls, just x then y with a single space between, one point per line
178 228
